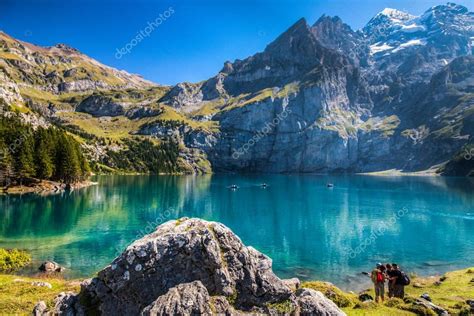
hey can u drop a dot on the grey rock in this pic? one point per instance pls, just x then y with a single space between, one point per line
180 252
190 267
39 308
429 305
42 284
311 302
365 297
471 304
98 105
426 296
188 299
66 303
293 284
51 266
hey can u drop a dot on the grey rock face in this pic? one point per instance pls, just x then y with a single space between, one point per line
188 299
396 95
101 106
189 267
293 284
81 85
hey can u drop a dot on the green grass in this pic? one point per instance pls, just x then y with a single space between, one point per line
451 294
8 55
170 114
18 296
386 125
115 128
13 259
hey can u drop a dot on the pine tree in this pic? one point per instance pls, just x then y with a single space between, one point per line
24 164
6 165
67 161
44 154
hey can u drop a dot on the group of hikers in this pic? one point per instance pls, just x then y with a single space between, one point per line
397 280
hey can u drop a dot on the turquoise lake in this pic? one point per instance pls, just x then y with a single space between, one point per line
426 224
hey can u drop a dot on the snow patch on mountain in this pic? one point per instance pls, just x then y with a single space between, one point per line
379 47
414 42
412 28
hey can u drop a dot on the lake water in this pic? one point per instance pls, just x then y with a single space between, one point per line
426 224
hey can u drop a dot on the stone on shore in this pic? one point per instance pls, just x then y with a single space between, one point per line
429 305
50 266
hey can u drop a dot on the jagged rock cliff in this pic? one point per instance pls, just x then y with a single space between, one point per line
397 94
189 267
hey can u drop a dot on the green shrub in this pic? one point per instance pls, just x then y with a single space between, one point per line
13 259
394 302
366 305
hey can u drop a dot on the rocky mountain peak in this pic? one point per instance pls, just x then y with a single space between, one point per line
297 37
333 33
66 48
449 19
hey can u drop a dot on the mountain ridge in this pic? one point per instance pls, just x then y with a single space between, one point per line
349 96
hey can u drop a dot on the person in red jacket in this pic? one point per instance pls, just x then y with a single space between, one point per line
378 278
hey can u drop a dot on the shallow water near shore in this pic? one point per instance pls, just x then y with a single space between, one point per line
311 231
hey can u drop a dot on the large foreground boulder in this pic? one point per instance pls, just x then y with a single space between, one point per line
190 267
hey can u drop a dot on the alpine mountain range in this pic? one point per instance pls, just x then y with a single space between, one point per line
397 94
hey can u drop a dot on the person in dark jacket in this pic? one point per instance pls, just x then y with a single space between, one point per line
397 282
389 274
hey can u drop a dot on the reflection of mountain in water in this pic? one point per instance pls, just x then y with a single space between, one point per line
307 228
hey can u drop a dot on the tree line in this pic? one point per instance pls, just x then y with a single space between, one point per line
143 156
42 153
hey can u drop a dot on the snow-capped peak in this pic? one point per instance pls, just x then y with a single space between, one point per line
395 14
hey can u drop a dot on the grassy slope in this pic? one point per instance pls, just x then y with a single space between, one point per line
20 297
451 294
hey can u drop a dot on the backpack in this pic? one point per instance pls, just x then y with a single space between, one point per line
405 279
380 277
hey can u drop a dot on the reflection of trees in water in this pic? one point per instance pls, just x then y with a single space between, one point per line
43 216
303 225
118 201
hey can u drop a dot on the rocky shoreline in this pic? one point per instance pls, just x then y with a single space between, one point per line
45 187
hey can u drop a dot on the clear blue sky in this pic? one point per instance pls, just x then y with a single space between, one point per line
193 43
